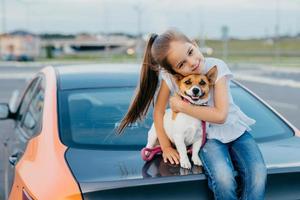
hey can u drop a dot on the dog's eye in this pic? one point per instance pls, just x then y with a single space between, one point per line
188 82
202 82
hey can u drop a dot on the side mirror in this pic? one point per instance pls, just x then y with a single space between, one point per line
4 111
13 106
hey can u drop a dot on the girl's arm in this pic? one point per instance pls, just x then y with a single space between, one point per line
216 114
169 153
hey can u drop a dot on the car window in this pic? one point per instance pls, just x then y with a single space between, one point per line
88 118
32 120
26 98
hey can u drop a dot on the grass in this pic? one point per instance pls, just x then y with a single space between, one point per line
281 61
253 45
285 52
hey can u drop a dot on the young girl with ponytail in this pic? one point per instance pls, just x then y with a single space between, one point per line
229 145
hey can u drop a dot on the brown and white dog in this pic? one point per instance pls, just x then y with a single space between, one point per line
182 129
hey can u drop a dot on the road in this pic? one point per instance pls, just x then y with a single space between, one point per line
278 87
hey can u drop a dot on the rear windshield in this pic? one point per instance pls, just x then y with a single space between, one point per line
88 118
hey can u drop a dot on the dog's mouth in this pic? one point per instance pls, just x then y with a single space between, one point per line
195 97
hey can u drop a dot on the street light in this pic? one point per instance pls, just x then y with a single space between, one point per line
3 11
139 50
225 30
277 29
138 10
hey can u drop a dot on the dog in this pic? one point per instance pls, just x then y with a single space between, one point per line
184 130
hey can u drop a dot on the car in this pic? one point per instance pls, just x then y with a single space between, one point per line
65 144
21 57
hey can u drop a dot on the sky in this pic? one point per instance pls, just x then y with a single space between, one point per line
196 18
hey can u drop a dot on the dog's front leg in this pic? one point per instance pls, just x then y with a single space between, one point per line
181 148
152 137
195 156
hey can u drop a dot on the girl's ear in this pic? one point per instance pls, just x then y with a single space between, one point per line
212 75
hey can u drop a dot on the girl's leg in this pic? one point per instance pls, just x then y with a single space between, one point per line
250 164
219 169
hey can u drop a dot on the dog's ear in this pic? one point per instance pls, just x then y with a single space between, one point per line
178 77
212 75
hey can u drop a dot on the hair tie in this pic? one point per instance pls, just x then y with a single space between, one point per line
154 36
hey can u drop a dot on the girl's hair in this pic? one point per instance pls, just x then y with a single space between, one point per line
155 56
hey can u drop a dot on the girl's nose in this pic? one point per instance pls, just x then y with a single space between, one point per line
192 62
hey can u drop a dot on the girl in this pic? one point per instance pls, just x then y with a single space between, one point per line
229 146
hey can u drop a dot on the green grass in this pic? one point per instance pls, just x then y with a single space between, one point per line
285 52
285 45
267 60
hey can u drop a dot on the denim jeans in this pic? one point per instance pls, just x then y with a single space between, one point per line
243 155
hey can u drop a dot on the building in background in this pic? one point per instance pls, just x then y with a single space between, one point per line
88 44
25 46
19 46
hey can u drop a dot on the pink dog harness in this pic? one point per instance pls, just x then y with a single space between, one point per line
148 153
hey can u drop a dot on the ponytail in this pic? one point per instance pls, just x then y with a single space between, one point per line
145 90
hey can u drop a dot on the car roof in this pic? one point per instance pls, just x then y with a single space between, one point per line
97 75
84 76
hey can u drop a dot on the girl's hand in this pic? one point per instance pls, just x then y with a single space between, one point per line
176 103
171 154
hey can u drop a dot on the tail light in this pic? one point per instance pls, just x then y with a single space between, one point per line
25 195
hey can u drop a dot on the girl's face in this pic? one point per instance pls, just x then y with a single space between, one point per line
185 58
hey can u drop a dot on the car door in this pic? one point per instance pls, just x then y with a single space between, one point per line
28 123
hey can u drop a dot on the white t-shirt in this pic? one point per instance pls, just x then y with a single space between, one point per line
236 123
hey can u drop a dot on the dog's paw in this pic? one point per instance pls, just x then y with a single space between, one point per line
185 163
184 171
196 160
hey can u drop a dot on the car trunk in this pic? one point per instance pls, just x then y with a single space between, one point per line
107 174
110 174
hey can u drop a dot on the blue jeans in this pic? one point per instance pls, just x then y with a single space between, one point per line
243 155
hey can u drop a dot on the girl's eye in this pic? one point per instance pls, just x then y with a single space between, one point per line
202 82
181 65
188 82
191 52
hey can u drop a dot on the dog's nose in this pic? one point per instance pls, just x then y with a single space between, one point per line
195 91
